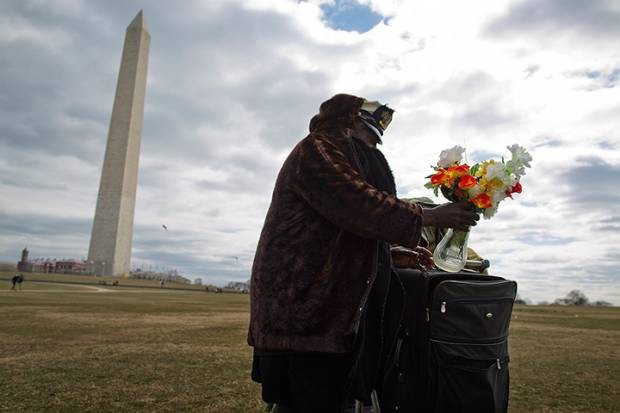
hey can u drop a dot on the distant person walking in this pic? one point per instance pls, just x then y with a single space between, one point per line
17 280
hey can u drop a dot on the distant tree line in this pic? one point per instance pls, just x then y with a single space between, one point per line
575 297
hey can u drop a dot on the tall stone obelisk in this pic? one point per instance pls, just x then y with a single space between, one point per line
111 238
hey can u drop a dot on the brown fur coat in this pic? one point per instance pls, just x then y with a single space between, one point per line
317 254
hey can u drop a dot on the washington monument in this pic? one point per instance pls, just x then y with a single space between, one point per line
110 241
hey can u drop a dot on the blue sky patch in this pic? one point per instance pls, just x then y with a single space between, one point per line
481 155
350 16
539 239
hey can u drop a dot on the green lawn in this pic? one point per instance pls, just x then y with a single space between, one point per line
88 348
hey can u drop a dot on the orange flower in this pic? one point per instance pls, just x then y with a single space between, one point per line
458 170
467 182
482 201
446 177
440 177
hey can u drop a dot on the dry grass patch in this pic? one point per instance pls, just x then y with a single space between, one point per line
170 351
561 363
126 352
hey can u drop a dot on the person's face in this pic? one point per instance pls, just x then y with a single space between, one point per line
362 132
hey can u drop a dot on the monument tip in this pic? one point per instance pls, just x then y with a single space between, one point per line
139 21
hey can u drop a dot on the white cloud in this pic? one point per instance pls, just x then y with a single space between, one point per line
233 84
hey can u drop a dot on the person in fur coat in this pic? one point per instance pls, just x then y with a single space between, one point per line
323 258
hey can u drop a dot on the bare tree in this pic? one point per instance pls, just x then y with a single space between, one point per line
575 297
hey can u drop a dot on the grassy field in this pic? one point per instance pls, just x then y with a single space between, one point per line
90 348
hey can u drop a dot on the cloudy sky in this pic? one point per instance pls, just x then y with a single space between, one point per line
232 85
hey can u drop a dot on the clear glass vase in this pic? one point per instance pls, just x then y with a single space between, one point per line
451 253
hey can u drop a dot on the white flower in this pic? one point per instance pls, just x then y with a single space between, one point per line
520 160
498 170
449 157
475 191
497 196
489 212
520 154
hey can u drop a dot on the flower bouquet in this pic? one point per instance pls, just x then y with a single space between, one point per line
484 184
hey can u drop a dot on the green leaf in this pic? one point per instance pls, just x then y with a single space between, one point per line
474 169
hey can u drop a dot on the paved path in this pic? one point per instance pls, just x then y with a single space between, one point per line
74 289
81 288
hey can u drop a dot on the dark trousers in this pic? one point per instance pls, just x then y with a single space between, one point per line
303 382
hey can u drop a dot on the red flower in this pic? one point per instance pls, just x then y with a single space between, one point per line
517 188
482 201
467 182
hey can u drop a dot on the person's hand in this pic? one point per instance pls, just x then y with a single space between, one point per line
426 257
458 215
420 258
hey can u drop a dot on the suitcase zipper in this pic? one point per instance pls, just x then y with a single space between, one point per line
471 341
444 304
434 340
475 282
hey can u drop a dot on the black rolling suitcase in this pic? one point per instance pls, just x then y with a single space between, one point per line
451 354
